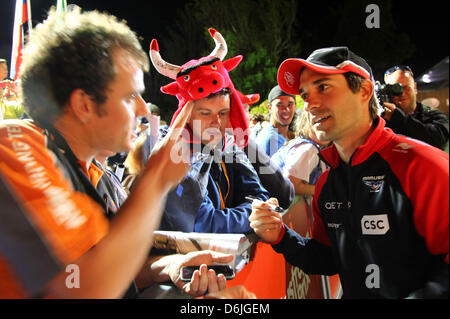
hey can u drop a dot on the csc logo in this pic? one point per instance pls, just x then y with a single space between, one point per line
375 224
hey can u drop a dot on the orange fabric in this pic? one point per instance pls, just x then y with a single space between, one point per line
70 222
222 199
93 173
9 287
269 276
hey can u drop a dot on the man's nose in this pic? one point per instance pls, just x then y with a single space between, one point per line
141 108
311 102
215 120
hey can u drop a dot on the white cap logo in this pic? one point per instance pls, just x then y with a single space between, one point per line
289 79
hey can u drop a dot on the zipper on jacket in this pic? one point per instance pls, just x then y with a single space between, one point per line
349 198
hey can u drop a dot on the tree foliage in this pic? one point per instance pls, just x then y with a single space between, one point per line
262 31
266 32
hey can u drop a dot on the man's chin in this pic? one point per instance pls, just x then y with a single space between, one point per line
322 136
127 147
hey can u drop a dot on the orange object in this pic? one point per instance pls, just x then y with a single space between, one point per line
269 276
264 275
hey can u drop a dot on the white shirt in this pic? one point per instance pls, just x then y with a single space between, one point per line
301 160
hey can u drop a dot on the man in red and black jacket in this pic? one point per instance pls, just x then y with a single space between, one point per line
381 210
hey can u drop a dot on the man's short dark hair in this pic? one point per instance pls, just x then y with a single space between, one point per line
224 91
354 82
73 51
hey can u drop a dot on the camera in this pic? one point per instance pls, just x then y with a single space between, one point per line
385 92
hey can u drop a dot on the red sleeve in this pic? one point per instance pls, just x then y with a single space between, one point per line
423 172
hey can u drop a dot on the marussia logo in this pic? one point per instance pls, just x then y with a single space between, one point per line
375 187
289 78
375 183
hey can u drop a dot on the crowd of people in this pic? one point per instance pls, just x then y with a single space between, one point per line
10 108
88 172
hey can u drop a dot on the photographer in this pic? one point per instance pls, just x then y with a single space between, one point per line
404 115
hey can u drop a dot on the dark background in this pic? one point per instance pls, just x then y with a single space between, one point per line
425 24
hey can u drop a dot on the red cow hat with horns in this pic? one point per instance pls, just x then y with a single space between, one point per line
197 79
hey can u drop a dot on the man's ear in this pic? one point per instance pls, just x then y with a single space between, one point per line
366 91
81 105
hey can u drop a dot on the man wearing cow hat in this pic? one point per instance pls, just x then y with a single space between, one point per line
381 209
212 197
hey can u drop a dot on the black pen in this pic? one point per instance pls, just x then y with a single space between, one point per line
273 208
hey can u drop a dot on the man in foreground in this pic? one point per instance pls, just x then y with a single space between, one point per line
381 210
81 81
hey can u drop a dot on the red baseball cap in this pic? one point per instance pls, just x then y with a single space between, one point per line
334 60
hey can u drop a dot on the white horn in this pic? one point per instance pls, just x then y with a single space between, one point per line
221 48
163 67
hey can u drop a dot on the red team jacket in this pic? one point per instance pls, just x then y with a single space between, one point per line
381 221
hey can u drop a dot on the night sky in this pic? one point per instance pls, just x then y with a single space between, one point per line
426 22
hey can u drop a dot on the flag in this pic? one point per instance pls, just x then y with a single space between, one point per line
61 6
21 19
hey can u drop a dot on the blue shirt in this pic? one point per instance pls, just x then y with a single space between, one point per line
270 140
211 199
225 209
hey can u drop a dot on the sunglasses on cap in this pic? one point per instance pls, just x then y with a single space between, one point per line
398 67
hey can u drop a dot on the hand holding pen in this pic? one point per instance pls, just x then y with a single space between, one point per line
273 207
265 220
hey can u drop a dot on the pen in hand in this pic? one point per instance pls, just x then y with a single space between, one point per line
273 208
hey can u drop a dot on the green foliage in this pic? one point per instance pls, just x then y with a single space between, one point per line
266 32
260 30
257 73
262 107
300 102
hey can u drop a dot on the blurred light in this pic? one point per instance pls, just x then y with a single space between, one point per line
426 78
